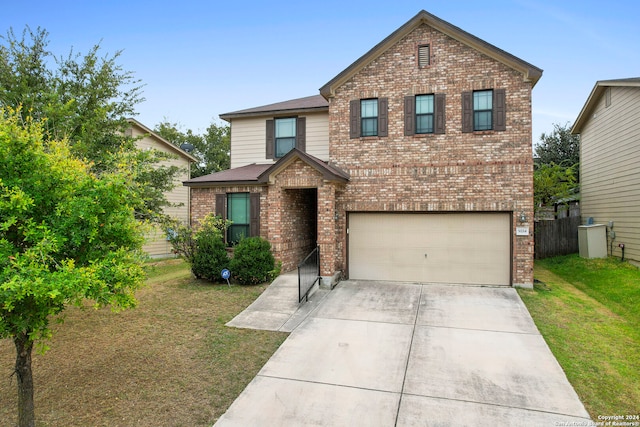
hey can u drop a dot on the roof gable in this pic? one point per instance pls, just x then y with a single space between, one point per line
161 141
529 72
328 171
594 97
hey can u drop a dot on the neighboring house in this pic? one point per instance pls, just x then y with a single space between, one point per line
609 128
157 244
413 164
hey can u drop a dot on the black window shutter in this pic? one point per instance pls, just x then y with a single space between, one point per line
271 135
354 118
439 113
301 134
467 111
499 110
383 116
220 202
254 214
409 115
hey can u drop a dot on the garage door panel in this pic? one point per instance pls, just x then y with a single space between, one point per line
445 248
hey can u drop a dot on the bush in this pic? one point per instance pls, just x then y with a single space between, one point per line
204 249
252 261
210 257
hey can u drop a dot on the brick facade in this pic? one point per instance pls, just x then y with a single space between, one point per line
489 171
450 171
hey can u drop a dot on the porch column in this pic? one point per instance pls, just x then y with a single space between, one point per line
327 233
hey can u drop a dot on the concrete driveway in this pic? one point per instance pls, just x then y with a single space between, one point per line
390 354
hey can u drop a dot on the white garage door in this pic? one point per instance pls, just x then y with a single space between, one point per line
467 248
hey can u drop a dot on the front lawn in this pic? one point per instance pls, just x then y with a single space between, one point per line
589 313
168 362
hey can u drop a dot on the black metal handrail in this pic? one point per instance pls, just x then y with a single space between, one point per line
308 274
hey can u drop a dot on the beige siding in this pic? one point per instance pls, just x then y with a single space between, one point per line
610 177
248 139
157 245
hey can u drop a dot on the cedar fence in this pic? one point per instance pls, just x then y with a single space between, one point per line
556 237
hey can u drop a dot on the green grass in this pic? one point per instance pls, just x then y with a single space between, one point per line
588 312
171 361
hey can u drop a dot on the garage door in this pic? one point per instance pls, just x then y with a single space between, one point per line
467 248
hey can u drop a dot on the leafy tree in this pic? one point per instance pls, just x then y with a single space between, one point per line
216 151
559 147
85 99
66 235
552 183
211 149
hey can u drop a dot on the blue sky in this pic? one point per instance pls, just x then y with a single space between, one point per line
199 59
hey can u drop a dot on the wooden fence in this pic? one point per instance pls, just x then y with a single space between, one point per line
556 237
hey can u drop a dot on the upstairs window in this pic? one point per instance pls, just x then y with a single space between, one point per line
483 110
369 117
424 114
285 136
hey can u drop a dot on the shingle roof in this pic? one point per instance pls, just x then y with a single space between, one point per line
258 174
293 106
329 172
244 174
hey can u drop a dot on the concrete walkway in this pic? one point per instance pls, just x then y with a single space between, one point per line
389 354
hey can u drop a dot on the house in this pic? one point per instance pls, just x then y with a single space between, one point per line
157 245
609 129
412 164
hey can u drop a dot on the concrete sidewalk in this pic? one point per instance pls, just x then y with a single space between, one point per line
389 354
277 308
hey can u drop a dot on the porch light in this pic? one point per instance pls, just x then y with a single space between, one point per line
523 217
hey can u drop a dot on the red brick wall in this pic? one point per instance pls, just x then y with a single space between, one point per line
203 202
455 171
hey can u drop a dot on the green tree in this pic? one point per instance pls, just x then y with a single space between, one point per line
211 149
85 99
559 147
552 183
66 235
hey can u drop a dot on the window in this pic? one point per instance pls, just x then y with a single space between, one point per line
368 117
238 213
244 210
424 59
424 114
285 136
483 110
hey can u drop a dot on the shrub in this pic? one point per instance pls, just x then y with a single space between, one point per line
204 249
252 261
210 256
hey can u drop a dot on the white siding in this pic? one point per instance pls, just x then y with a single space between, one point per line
248 139
157 245
609 172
